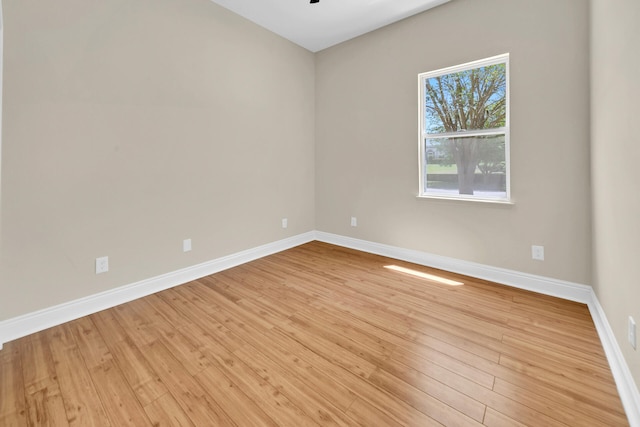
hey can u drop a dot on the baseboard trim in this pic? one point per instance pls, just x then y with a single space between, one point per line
544 285
21 326
558 288
627 388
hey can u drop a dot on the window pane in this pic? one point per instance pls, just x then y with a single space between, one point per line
466 100
468 166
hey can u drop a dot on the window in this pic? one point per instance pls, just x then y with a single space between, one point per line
464 131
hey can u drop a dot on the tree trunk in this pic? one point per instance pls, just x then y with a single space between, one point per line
465 152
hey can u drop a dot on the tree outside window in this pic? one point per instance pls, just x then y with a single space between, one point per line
464 126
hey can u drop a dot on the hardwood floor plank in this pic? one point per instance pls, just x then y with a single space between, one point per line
45 407
139 328
157 322
119 401
395 408
364 414
283 351
463 385
274 317
92 347
190 306
242 410
81 400
300 394
378 348
590 388
289 299
496 419
186 351
232 289
331 351
109 327
318 335
418 357
376 316
438 338
12 398
167 312
137 371
568 415
559 363
240 312
444 385
448 329
166 412
521 342
203 326
563 397
191 397
319 329
427 404
40 372
472 325
270 400
354 382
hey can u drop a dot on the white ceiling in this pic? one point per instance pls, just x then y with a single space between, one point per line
329 22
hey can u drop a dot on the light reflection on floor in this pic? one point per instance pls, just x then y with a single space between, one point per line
422 275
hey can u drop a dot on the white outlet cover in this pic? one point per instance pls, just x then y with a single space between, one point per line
354 221
537 252
186 245
102 264
632 332
285 222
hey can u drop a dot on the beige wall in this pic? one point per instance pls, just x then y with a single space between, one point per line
130 125
366 136
615 91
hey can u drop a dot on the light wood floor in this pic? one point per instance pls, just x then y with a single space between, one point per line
317 335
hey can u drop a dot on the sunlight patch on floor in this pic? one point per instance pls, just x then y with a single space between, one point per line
422 275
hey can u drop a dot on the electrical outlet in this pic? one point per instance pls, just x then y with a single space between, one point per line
186 245
102 264
354 221
285 222
537 252
632 332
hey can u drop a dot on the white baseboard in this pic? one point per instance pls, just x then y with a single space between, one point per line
558 288
544 285
627 387
21 326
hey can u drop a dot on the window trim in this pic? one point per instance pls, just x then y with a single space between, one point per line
422 172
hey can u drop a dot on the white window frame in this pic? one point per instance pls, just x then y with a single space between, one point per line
422 159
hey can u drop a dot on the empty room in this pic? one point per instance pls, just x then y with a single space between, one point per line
319 213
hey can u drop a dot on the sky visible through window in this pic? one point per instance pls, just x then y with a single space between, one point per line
464 131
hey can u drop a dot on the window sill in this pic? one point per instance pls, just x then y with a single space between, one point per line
468 199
